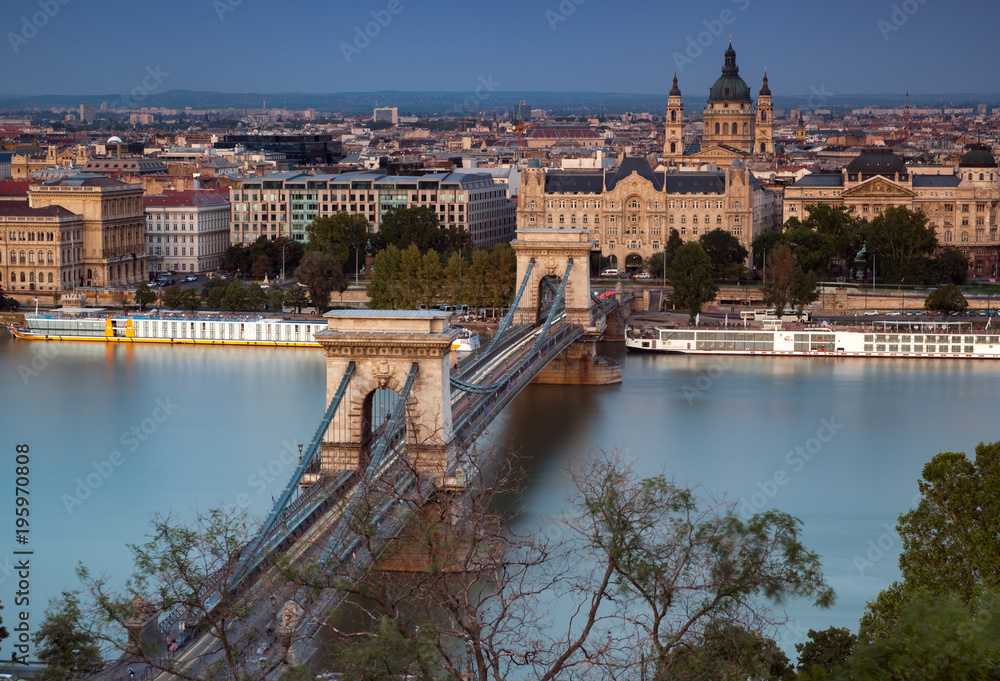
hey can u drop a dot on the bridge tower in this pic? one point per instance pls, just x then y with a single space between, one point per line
551 250
384 345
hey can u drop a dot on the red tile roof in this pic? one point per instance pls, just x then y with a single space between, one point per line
190 197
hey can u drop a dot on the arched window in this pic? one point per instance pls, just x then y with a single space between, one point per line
673 147
24 258
970 176
716 128
673 116
50 277
90 273
981 177
725 128
746 128
947 235
50 257
763 147
31 277
763 115
31 256
965 236
22 277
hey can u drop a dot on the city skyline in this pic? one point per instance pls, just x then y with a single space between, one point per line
559 46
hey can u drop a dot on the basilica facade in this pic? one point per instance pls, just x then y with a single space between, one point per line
734 127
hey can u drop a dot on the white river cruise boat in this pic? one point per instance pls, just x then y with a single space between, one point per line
891 341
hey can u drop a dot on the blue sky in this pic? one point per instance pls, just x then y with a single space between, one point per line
841 47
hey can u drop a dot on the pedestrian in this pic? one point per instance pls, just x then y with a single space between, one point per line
131 674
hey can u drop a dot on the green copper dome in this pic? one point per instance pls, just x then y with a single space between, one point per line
730 87
978 156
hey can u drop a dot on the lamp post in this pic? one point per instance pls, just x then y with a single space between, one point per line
283 262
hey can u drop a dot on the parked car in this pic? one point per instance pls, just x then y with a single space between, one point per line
871 313
190 277
644 275
612 272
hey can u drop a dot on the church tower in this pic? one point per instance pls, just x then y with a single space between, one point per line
800 131
764 129
730 117
673 139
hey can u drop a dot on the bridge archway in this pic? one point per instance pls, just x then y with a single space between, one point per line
547 287
547 252
376 408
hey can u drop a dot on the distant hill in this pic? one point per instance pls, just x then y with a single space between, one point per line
461 103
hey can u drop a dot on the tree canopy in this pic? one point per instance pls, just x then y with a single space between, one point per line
726 253
690 273
321 273
343 235
900 240
947 300
63 631
421 226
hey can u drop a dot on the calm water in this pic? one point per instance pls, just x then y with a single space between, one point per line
120 433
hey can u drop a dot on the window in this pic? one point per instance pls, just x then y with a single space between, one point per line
947 235
965 236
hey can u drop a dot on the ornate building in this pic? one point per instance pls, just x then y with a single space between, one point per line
630 210
734 126
962 205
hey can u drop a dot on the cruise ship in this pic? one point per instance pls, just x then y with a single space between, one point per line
928 341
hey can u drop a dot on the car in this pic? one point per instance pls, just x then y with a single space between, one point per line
644 275
983 313
612 272
871 313
893 313
909 313
190 277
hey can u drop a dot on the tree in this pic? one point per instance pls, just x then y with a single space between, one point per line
3 630
762 245
173 297
56 297
236 258
731 653
778 279
322 274
261 267
950 543
275 299
453 280
802 290
900 240
947 300
255 297
191 300
234 298
296 299
63 631
144 296
401 227
950 265
343 235
828 649
383 287
841 228
690 273
723 249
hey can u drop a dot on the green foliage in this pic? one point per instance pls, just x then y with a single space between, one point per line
828 649
256 299
802 290
900 241
947 300
781 267
950 265
950 541
61 632
234 298
762 245
731 653
343 235
401 227
842 229
390 654
321 273
690 274
936 637
275 299
383 287
191 299
723 249
262 267
3 630
242 258
296 298
144 296
173 297
813 250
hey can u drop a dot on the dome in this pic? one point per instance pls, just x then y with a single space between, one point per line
730 87
765 91
877 162
675 91
978 156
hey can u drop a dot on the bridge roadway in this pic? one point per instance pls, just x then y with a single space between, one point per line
314 526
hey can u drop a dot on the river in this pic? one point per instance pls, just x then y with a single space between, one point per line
119 433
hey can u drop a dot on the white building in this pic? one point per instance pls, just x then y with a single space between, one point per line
186 231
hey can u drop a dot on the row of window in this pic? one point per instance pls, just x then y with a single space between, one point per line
29 257
30 236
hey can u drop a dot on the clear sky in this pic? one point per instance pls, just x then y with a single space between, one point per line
631 46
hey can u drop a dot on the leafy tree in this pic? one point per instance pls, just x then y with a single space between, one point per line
255 296
723 249
690 273
802 290
813 250
731 653
762 245
937 636
342 235
828 649
173 297
214 296
236 258
401 227
275 299
296 299
900 240
947 300
262 267
191 299
842 229
453 280
383 287
781 268
234 298
950 543
144 296
56 297
322 274
950 265
3 630
61 632
505 281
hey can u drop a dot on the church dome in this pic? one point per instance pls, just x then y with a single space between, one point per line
877 162
675 91
730 87
978 156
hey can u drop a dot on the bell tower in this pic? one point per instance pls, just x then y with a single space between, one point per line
673 139
765 121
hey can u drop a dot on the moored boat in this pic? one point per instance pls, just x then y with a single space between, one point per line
465 341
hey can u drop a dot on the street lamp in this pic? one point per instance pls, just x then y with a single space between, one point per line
283 262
